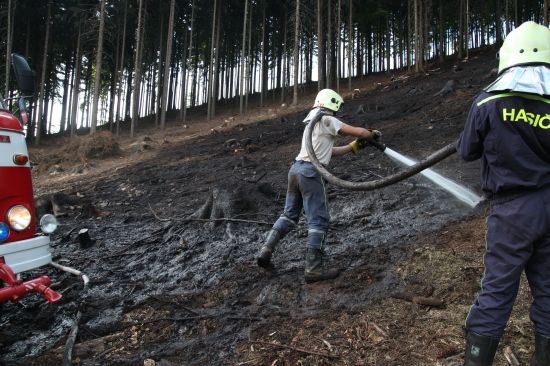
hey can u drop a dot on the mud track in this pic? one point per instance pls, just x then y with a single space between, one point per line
182 288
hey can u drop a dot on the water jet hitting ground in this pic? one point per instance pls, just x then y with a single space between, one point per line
460 192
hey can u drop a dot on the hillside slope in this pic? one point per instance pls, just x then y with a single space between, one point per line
174 281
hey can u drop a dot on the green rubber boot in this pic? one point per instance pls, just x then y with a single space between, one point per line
480 350
264 255
314 267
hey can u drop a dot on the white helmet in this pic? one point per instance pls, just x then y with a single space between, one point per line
528 44
329 99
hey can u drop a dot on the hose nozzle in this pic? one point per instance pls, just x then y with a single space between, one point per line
379 145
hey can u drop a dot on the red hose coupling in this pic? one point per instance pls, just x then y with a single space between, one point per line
38 285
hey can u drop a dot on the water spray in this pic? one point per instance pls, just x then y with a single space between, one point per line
413 168
460 192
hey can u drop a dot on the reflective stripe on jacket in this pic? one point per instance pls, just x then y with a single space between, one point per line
510 132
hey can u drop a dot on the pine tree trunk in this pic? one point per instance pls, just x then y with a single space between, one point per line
43 76
507 16
467 29
441 33
416 38
216 74
388 49
296 51
263 58
137 71
114 82
497 22
76 82
98 64
183 97
9 42
185 60
409 33
350 44
460 29
157 92
516 18
338 28
121 68
249 68
329 46
169 41
425 10
320 46
64 103
243 58
546 13
212 57
284 57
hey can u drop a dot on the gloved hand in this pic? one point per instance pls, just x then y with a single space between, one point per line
375 133
358 144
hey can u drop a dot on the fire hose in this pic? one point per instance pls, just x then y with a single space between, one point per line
378 183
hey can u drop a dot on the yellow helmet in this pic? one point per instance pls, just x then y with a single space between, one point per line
528 44
329 99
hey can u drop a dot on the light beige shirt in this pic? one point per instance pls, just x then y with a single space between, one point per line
324 134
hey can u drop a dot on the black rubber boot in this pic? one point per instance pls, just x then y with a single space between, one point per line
480 350
264 255
542 351
314 267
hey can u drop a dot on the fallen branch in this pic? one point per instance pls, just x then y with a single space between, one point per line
155 214
227 220
510 357
379 330
120 255
199 317
295 349
175 303
421 300
208 220
69 344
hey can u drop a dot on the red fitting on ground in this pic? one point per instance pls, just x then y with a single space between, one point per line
7 275
16 289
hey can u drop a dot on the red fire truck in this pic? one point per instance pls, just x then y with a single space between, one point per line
21 247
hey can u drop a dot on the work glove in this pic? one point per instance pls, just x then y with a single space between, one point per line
358 144
375 133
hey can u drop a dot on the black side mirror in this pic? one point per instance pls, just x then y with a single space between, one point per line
24 75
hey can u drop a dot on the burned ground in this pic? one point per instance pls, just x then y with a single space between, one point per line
172 272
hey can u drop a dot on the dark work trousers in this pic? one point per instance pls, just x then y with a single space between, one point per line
518 239
306 189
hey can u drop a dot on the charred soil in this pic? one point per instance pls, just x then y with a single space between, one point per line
175 231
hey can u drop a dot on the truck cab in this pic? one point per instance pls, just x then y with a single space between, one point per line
22 247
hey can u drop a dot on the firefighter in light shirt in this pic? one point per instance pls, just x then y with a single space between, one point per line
508 128
306 188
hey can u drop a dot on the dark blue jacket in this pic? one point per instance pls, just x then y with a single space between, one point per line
511 133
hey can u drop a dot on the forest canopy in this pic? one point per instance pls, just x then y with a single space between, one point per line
110 63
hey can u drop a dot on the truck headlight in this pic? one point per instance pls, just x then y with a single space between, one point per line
48 223
19 218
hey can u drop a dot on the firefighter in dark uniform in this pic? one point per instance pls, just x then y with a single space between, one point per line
508 128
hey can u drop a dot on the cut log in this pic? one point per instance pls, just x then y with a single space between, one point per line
421 300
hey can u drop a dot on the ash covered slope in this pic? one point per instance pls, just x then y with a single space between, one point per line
172 280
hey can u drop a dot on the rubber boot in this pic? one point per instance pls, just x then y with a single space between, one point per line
314 267
542 351
264 255
480 350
